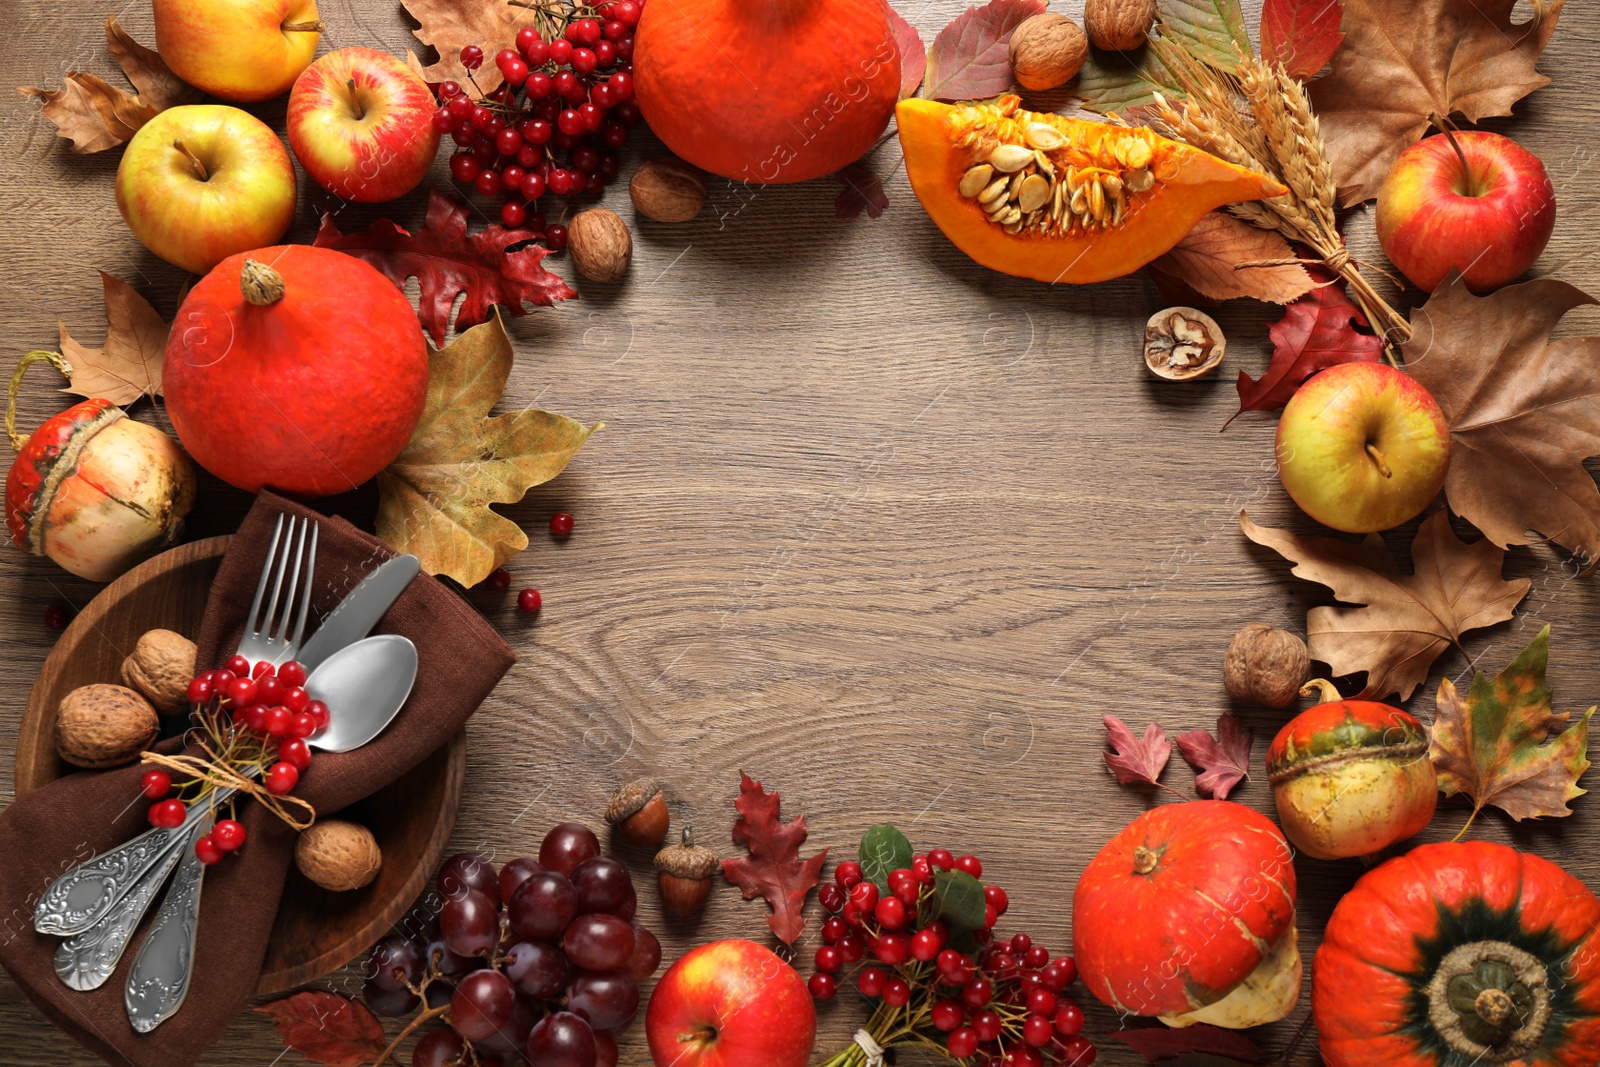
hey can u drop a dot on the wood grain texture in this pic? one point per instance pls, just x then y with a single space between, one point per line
886 530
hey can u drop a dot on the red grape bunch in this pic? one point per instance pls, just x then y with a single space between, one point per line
538 962
991 1002
556 121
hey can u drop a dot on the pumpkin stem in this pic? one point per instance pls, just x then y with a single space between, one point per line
1144 860
38 356
1321 687
1495 1007
260 284
194 160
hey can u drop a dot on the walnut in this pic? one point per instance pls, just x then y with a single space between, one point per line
1119 25
338 855
104 725
161 666
1265 666
668 190
600 245
1047 51
1181 344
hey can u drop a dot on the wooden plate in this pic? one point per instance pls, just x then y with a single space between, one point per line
316 931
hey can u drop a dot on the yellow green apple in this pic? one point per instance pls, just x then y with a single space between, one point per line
201 182
238 50
1362 447
361 123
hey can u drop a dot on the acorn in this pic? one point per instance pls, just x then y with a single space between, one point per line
639 812
684 876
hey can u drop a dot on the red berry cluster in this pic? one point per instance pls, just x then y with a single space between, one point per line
271 717
570 92
1001 1003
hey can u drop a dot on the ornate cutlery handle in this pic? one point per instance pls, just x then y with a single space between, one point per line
159 980
86 961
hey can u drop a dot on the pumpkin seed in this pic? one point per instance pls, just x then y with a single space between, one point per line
1010 158
1112 185
975 180
1080 201
1133 154
1097 202
1044 136
995 190
1140 181
1013 227
1045 166
1016 184
1035 191
1008 216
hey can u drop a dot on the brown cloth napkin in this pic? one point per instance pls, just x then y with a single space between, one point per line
51 829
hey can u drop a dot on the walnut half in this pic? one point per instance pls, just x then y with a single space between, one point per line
1181 344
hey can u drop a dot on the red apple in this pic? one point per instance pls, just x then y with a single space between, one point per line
201 182
1362 447
361 123
1486 210
239 50
731 1004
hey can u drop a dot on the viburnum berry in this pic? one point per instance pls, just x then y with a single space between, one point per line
155 784
292 673
864 895
499 580
925 945
526 38
829 959
1041 1002
897 992
199 690
237 666
1020 942
1077 1052
560 52
833 928
487 182
605 54
1037 956
295 752
871 981
512 213
206 850
1068 1018
822 985
56 618
947 1014
1068 969
282 778
830 895
167 814
471 57
555 236
949 961
228 834
241 692
529 601
319 711
263 669
988 1024
977 992
449 90
463 167
561 522
890 912
971 864
852 948
996 898
893 948
962 1042
990 916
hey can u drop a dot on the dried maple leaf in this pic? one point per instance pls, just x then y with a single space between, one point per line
1133 759
446 260
1502 745
1316 332
913 53
1205 260
970 59
1158 1043
1301 34
449 25
773 869
1404 620
1402 61
1521 410
1223 761
128 365
433 500
863 191
327 1028
95 115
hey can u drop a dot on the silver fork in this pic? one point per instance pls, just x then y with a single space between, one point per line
98 904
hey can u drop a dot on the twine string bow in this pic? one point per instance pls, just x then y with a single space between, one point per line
219 773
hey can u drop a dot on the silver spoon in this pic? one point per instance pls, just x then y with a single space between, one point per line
366 683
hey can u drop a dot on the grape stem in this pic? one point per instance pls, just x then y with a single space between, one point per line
410 1028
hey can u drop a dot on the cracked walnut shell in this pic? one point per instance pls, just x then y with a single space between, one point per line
160 666
1181 344
338 855
1047 51
104 725
1265 665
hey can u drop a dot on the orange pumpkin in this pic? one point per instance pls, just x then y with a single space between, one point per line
1458 954
1078 201
767 91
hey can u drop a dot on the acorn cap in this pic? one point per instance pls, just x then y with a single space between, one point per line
630 799
687 860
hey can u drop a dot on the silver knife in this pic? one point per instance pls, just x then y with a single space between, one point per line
359 611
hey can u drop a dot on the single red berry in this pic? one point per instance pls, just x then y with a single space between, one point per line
526 37
1041 1002
282 778
588 30
949 961
864 895
449 90
228 834
595 185
971 865
584 61
255 718
942 858
277 720
555 236
832 897
925 945
207 852
871 981
237 666
303 724
269 690
997 899
894 948
829 959
319 711
570 122
947 1014
613 30
923 870
962 1042
1077 1052
1037 957
852 948
499 580
847 873
896 993
155 784
538 53
199 690
1022 1056
560 52
529 601
292 673
977 992
850 914
263 669
241 692
1037 1031
561 522
626 12
833 928
513 214
1020 942
511 177
615 135
487 182
445 121
167 814
605 54
621 84
988 1024
990 916
295 752
463 167
509 142
295 698
890 912
1069 970
461 106
822 985
538 85
471 57
1068 1018
219 679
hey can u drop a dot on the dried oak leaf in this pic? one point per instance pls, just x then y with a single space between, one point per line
1404 60
1301 34
1205 260
970 58
913 53
95 115
128 365
1316 332
1520 407
1223 761
446 260
1404 620
449 25
327 1028
433 500
773 869
1158 1043
1133 759
1502 745
863 191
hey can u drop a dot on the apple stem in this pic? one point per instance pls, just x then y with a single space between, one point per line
1449 134
194 160
316 26
1377 457
355 99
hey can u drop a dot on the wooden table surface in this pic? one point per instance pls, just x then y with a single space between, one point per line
884 529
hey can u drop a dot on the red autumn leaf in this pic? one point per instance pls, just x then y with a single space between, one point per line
863 190
446 260
1316 332
327 1028
773 869
1301 34
970 58
1223 761
1136 760
1157 1043
913 53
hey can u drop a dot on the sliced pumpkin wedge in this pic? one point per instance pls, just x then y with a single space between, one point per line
1060 199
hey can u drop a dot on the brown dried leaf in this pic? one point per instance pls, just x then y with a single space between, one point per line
1205 261
128 364
327 1028
158 86
449 25
1404 620
1403 60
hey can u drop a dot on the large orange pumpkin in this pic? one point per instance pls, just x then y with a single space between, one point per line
295 368
1188 914
767 91
1461 954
